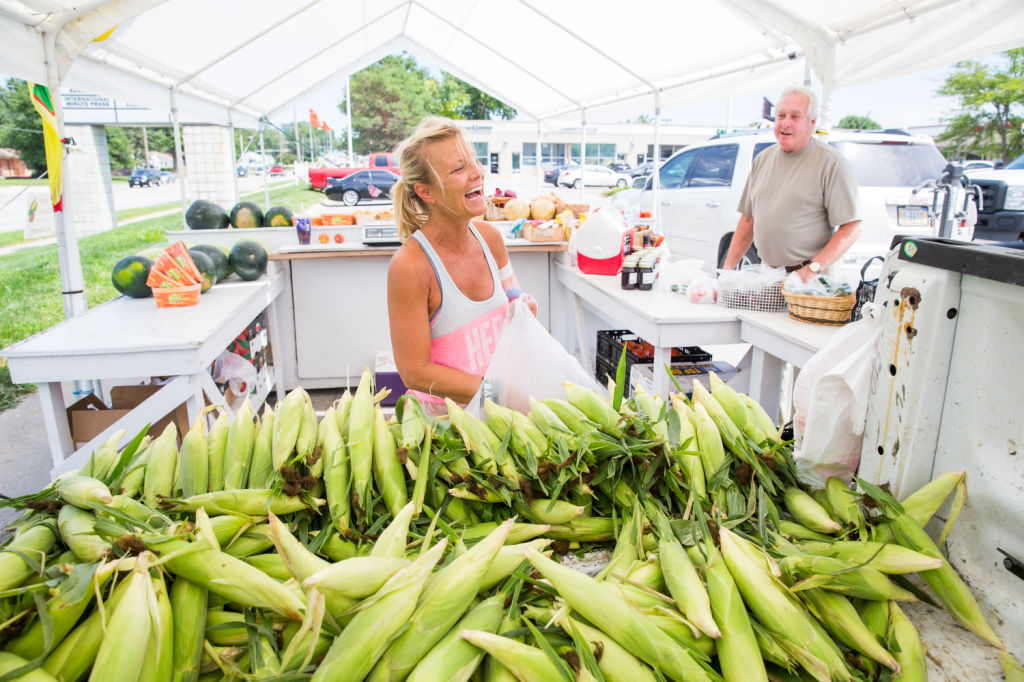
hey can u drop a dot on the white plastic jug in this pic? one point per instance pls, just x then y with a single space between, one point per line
600 243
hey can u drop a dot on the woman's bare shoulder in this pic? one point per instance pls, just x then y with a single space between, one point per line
409 261
491 234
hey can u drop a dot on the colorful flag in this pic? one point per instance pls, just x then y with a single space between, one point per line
40 96
373 190
314 120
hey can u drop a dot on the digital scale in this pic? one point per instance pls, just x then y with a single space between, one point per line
381 235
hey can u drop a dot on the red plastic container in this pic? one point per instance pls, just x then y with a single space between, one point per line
601 243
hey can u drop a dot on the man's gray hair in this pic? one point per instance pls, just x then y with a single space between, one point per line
812 99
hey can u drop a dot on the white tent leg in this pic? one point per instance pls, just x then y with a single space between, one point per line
234 173
266 171
583 151
179 157
348 113
656 163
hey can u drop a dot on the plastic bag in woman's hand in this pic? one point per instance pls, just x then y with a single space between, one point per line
527 362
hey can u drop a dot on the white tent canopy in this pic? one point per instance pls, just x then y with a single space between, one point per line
264 57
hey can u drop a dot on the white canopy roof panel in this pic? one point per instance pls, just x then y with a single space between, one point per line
547 59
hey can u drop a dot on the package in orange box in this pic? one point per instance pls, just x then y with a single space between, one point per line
157 279
168 266
316 221
174 297
184 259
338 219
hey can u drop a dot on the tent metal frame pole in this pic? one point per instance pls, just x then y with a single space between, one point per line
295 132
234 173
583 151
266 171
68 256
179 155
348 114
656 165
540 168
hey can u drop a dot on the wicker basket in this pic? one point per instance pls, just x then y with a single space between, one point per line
831 310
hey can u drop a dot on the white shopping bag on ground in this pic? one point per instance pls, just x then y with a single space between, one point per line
527 362
830 402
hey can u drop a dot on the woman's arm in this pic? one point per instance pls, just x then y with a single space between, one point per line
509 282
409 281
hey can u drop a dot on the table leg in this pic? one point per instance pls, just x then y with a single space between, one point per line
662 383
581 333
55 420
276 348
766 381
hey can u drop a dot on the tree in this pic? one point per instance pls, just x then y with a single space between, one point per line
992 102
21 128
391 96
388 99
858 123
459 99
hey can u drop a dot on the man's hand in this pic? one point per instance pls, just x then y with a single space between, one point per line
805 274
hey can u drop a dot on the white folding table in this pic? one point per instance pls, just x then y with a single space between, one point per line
776 339
127 338
664 319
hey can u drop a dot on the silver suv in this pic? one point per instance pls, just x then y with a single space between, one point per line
701 186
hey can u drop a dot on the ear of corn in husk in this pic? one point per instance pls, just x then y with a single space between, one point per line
885 557
387 470
682 580
336 474
508 559
845 577
287 422
135 473
194 460
159 662
355 651
63 611
600 605
774 607
449 593
76 528
355 578
261 466
841 620
161 467
761 418
595 407
686 442
808 512
305 439
34 541
730 401
524 661
1012 670
731 436
391 542
736 646
105 457
845 503
239 446
216 449
909 651
123 650
246 501
454 659
189 604
9 662
359 439
82 490
709 441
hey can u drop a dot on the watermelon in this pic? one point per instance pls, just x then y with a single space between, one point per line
248 258
219 258
279 216
205 215
204 264
129 276
246 214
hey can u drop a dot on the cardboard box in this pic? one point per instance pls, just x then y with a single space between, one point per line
90 416
545 232
684 373
386 376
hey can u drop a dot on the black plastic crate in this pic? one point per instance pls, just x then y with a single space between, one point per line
611 341
604 370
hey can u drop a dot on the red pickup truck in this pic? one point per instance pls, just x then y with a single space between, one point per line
381 161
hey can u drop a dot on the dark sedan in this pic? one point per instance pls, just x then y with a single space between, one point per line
551 175
367 185
144 177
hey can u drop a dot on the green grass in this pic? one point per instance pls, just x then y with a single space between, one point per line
30 299
131 213
8 238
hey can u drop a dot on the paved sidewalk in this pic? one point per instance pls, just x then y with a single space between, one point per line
24 452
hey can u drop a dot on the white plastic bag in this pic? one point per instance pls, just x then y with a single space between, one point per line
236 370
527 361
830 402
702 289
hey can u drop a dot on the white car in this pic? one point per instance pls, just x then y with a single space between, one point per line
701 186
592 176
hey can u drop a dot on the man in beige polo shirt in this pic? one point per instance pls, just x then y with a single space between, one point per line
797 191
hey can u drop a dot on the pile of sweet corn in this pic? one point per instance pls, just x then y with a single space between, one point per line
352 547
